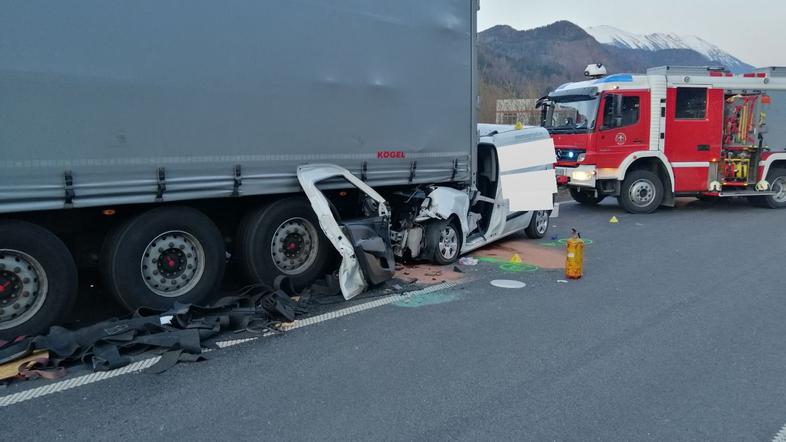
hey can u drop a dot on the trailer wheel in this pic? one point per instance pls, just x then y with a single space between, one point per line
585 198
443 241
38 279
283 238
539 225
165 255
642 192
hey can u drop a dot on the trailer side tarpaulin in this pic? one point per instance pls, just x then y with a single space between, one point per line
122 102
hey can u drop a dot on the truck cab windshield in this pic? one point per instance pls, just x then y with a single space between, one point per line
571 114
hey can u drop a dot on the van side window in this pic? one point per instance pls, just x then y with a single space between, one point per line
631 111
691 103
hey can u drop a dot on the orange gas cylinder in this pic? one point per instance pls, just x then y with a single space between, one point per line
574 265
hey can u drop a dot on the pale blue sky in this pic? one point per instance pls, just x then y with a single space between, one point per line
752 30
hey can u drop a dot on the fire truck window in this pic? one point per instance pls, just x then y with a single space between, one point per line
691 103
631 110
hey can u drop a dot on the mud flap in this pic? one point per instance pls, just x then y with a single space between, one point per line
365 247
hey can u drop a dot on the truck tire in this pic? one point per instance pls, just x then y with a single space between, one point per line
443 241
163 256
642 192
539 225
38 279
585 198
777 181
283 238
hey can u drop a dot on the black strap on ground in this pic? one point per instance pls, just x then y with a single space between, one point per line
178 334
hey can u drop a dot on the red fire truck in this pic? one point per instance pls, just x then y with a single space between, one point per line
676 131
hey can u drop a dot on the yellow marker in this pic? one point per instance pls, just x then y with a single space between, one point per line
519 126
516 259
614 220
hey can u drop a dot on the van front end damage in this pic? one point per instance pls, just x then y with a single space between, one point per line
364 244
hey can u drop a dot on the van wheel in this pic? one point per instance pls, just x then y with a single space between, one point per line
38 279
642 192
283 238
165 255
539 225
443 241
586 198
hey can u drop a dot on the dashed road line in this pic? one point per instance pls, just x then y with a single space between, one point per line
136 367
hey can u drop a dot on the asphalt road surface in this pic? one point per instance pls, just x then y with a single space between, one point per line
677 332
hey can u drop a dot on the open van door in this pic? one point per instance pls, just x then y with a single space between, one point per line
367 257
526 164
527 174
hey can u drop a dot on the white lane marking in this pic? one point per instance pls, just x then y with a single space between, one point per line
781 436
136 367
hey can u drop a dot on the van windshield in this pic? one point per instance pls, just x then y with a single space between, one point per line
571 114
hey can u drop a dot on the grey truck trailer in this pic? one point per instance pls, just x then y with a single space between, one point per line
159 140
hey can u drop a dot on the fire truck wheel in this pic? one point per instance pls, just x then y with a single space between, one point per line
586 198
38 279
284 238
539 225
163 256
642 192
777 181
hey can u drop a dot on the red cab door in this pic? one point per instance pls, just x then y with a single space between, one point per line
624 125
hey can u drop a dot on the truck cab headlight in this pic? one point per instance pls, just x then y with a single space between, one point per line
581 175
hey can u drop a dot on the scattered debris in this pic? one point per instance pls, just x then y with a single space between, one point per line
179 334
468 261
508 284
33 366
562 281
457 269
429 274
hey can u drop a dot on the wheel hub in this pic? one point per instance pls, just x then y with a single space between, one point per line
542 222
294 246
23 288
448 243
173 264
10 285
642 193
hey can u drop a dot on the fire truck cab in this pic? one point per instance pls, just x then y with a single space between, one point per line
676 131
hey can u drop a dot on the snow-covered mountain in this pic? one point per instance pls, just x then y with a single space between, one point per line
612 36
